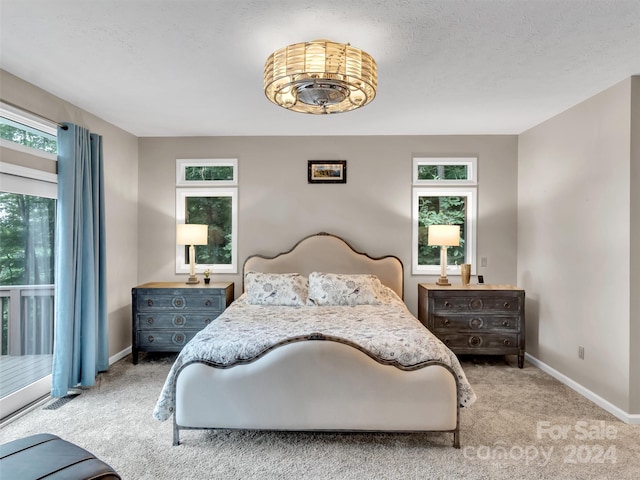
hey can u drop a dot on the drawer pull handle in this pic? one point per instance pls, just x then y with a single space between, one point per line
447 304
179 338
476 304
446 322
476 323
475 341
150 338
506 341
447 341
178 302
207 320
505 323
150 320
207 302
150 302
506 305
179 320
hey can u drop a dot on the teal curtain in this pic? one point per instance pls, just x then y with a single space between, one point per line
80 348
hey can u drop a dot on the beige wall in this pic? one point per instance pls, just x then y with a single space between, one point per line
277 206
574 242
121 196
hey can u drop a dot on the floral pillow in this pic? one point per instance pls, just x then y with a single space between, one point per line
288 289
343 289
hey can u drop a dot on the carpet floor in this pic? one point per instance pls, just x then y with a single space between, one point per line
525 425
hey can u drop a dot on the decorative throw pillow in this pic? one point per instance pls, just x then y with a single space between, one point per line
288 289
343 289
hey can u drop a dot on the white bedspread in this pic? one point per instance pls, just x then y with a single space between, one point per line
387 332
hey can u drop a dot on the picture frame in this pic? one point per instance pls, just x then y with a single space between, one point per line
327 171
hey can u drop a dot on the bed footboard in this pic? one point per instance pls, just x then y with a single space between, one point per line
317 385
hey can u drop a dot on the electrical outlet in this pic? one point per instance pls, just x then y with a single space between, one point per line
580 352
483 262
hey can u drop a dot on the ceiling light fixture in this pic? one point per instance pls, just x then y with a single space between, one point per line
320 77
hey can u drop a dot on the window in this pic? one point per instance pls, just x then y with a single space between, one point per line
27 133
444 171
444 203
217 208
207 172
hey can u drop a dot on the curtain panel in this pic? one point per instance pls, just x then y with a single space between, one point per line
80 348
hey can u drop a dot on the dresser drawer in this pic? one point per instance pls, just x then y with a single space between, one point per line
176 320
487 302
444 323
170 340
150 302
467 343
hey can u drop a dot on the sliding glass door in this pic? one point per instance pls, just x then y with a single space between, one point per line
27 233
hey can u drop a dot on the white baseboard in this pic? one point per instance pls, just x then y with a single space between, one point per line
120 355
626 417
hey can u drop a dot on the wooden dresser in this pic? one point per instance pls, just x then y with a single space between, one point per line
475 319
166 315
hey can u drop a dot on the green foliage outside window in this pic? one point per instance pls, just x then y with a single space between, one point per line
27 136
208 173
440 210
27 233
216 212
442 172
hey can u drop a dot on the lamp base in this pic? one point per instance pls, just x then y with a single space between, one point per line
443 281
192 280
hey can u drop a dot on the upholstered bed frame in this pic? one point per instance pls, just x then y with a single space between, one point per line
319 384
325 252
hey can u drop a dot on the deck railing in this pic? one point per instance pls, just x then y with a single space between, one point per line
27 319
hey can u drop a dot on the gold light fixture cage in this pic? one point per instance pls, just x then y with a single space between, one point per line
320 77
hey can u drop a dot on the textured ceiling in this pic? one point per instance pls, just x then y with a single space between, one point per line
194 67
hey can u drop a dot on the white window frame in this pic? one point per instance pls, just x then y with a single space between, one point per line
470 162
30 121
28 181
471 194
181 195
182 163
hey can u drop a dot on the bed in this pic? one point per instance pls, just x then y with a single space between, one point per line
353 359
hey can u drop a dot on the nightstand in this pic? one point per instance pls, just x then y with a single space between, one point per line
166 315
475 319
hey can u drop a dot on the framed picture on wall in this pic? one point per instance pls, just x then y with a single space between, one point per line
327 171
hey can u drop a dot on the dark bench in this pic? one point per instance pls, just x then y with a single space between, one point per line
45 456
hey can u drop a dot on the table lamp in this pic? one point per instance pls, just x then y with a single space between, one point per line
444 236
192 234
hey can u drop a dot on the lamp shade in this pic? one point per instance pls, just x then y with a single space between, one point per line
444 235
192 234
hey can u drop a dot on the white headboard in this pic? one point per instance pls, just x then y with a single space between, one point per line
325 252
